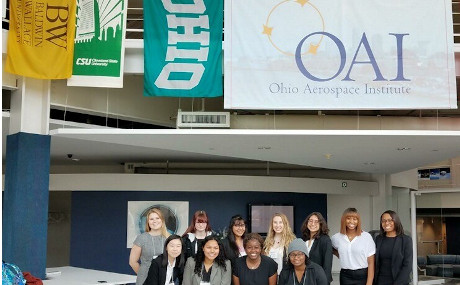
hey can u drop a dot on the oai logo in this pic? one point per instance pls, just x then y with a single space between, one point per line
289 21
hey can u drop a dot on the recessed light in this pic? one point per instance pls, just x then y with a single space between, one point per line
328 156
403 148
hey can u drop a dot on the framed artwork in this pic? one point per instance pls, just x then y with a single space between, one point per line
174 212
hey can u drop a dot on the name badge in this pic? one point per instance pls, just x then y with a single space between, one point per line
274 255
204 283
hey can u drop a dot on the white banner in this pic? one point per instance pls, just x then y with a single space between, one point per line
339 54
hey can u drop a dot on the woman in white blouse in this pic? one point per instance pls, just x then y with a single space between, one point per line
279 237
355 249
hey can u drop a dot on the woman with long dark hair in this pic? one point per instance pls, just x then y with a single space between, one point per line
168 267
299 269
209 265
233 243
319 246
355 249
199 229
393 257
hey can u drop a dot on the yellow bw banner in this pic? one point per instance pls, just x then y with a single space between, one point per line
41 38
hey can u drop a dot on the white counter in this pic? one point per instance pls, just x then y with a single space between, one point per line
80 276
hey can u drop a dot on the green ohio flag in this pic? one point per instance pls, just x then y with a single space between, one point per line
183 48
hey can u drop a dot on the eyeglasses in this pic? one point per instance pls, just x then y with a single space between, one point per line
239 225
313 222
384 221
294 255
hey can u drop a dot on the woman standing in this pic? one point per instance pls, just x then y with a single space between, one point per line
254 268
168 267
299 269
199 229
233 243
319 246
209 265
148 245
278 239
393 258
355 248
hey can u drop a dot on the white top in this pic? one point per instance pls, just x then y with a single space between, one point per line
353 254
309 246
277 255
169 272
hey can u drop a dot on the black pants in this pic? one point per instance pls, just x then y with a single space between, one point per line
353 277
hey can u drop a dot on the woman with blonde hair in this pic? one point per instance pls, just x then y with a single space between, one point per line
355 249
149 244
279 237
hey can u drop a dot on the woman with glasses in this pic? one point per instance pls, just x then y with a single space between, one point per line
233 243
393 257
278 239
254 268
199 229
355 249
299 269
319 246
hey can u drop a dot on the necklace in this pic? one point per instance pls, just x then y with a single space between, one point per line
255 265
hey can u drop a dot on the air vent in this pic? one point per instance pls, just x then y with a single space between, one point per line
203 120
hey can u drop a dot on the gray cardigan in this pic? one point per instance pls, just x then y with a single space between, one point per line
219 276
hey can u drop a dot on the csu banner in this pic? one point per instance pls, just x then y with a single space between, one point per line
339 54
99 44
40 39
183 48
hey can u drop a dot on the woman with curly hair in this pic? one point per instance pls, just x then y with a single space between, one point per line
279 237
319 246
209 265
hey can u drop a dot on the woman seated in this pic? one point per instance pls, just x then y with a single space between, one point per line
299 269
168 267
209 265
254 269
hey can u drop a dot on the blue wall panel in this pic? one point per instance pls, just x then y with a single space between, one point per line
98 238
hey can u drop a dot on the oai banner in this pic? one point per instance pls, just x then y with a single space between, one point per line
40 39
339 54
99 44
183 48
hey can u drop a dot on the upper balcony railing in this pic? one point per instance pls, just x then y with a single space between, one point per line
135 22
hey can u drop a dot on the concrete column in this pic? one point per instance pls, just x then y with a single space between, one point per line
26 193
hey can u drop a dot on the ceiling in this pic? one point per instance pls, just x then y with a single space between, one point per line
349 150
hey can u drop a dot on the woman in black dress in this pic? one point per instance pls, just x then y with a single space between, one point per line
393 257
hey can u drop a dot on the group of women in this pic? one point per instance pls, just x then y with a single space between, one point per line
241 258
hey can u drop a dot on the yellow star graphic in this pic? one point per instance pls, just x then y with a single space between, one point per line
302 2
313 48
267 30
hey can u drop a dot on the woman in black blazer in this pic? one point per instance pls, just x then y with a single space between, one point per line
315 234
393 257
168 267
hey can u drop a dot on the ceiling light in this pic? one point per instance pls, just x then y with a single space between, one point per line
403 148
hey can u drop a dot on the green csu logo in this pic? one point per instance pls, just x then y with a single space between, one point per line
98 39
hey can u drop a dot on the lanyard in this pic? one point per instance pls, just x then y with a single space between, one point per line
295 278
